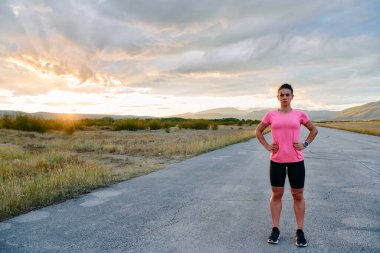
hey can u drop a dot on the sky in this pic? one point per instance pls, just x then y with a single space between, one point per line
165 57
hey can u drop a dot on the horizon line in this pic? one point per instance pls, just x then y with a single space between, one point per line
256 108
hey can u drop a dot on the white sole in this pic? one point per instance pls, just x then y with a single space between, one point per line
272 242
301 245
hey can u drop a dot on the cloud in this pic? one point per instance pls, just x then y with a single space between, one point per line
58 67
69 104
191 48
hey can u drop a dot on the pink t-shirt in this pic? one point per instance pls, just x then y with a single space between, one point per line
285 130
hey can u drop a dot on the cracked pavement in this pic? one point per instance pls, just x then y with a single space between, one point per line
219 202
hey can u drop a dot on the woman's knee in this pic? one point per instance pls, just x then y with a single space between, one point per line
297 194
277 192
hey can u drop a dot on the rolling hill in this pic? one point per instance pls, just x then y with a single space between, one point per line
368 111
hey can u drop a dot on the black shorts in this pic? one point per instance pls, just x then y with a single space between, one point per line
296 174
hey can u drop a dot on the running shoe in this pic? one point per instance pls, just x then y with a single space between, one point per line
300 238
273 238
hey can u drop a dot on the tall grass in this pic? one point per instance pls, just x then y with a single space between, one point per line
29 181
371 127
183 143
39 169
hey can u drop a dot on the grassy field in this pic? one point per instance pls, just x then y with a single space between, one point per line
40 169
365 127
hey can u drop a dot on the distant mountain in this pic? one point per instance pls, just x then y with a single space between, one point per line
225 111
190 115
314 115
363 112
320 115
243 114
51 115
258 114
217 113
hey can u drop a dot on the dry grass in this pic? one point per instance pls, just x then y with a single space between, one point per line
29 180
364 127
40 169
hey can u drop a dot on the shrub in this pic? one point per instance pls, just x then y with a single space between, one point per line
7 121
130 124
105 121
69 129
214 126
168 125
182 125
30 123
251 122
198 124
154 124
70 126
194 124
173 120
226 121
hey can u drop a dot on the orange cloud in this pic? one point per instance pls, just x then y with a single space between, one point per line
53 67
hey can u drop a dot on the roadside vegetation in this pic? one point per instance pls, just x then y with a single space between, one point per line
29 180
371 127
27 122
52 164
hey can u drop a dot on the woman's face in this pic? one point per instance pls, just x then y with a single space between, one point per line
285 96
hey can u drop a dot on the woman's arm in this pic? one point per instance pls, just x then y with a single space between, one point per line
260 136
313 132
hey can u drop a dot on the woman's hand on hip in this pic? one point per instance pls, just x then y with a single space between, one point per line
298 146
272 147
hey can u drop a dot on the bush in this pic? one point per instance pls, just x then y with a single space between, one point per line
7 121
154 124
30 123
214 126
105 121
200 124
173 120
27 122
69 129
168 125
195 124
129 124
252 122
226 121
183 125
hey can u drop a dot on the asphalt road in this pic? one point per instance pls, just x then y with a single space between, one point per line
218 202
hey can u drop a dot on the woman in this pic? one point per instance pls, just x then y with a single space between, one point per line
286 156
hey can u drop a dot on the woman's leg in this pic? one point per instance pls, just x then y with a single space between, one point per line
296 173
299 206
277 175
276 205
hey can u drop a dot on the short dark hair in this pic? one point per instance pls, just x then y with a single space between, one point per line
285 86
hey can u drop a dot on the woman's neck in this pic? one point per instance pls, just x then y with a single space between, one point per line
285 108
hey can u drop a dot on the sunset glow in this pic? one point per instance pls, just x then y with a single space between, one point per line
154 58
